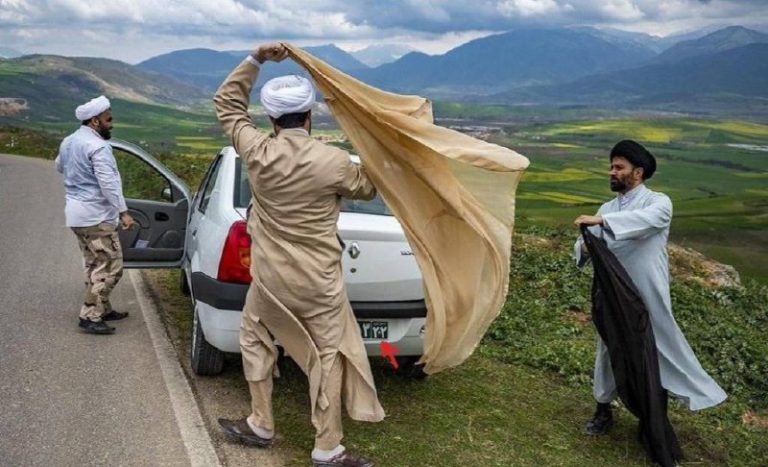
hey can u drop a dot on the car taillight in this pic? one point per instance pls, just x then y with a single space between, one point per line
235 265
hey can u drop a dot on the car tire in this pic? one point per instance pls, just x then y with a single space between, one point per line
207 360
407 366
183 284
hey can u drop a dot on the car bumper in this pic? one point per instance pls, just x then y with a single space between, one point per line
219 306
227 296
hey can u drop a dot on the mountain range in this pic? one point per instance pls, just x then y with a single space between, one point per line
584 66
207 68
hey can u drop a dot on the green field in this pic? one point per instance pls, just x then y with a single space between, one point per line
719 191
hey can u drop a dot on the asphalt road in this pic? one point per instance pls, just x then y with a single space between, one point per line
68 398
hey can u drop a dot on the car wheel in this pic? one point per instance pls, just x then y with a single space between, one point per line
183 284
207 360
407 366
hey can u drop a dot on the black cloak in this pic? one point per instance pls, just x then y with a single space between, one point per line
622 321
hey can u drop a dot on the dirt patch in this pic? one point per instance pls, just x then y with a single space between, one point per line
523 240
576 315
754 420
12 106
690 264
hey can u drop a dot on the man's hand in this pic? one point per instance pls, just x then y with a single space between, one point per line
274 52
588 220
126 221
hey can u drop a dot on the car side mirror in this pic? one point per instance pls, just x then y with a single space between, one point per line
166 194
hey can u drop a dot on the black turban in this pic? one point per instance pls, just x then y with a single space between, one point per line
635 153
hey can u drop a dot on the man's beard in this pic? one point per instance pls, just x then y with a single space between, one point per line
104 133
618 184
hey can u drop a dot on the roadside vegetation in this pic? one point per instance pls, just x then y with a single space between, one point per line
524 397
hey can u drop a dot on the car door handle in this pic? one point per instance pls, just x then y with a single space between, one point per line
354 250
194 233
161 216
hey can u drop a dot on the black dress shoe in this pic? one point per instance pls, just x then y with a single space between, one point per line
114 316
95 327
238 430
601 422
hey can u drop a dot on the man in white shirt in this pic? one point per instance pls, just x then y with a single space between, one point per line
94 206
635 226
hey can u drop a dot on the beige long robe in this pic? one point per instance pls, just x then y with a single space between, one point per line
298 289
453 194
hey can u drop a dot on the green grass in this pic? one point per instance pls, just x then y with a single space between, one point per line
524 396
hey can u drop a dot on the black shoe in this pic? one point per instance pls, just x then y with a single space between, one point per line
95 327
238 430
601 422
114 316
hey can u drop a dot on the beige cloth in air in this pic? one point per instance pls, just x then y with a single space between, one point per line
298 290
453 194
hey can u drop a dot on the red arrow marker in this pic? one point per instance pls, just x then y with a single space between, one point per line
389 351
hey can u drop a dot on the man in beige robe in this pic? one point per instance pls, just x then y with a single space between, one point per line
297 292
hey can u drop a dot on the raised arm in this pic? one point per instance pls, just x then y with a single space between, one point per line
234 95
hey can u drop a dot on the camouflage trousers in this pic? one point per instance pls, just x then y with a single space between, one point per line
103 263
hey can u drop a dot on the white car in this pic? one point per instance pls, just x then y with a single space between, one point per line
383 281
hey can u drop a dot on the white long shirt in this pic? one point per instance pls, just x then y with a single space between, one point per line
94 190
636 229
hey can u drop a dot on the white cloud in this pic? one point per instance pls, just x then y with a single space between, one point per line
527 8
136 29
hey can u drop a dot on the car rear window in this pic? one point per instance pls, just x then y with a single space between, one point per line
243 197
242 189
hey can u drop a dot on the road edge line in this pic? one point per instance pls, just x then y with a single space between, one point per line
194 433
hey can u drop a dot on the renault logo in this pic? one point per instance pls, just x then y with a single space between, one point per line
354 250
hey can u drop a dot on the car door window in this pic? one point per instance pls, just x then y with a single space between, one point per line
139 179
208 185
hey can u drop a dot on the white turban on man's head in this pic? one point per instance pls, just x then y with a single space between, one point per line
287 95
92 108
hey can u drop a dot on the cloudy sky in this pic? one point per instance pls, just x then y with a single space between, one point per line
133 30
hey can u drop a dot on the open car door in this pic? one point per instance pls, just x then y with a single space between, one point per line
159 203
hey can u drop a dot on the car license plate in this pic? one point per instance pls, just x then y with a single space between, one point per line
374 329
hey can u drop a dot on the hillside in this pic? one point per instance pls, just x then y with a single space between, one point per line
718 41
49 87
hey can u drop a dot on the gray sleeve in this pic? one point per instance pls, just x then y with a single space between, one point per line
105 169
640 223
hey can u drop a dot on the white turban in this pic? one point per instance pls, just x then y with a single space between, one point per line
92 108
287 95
